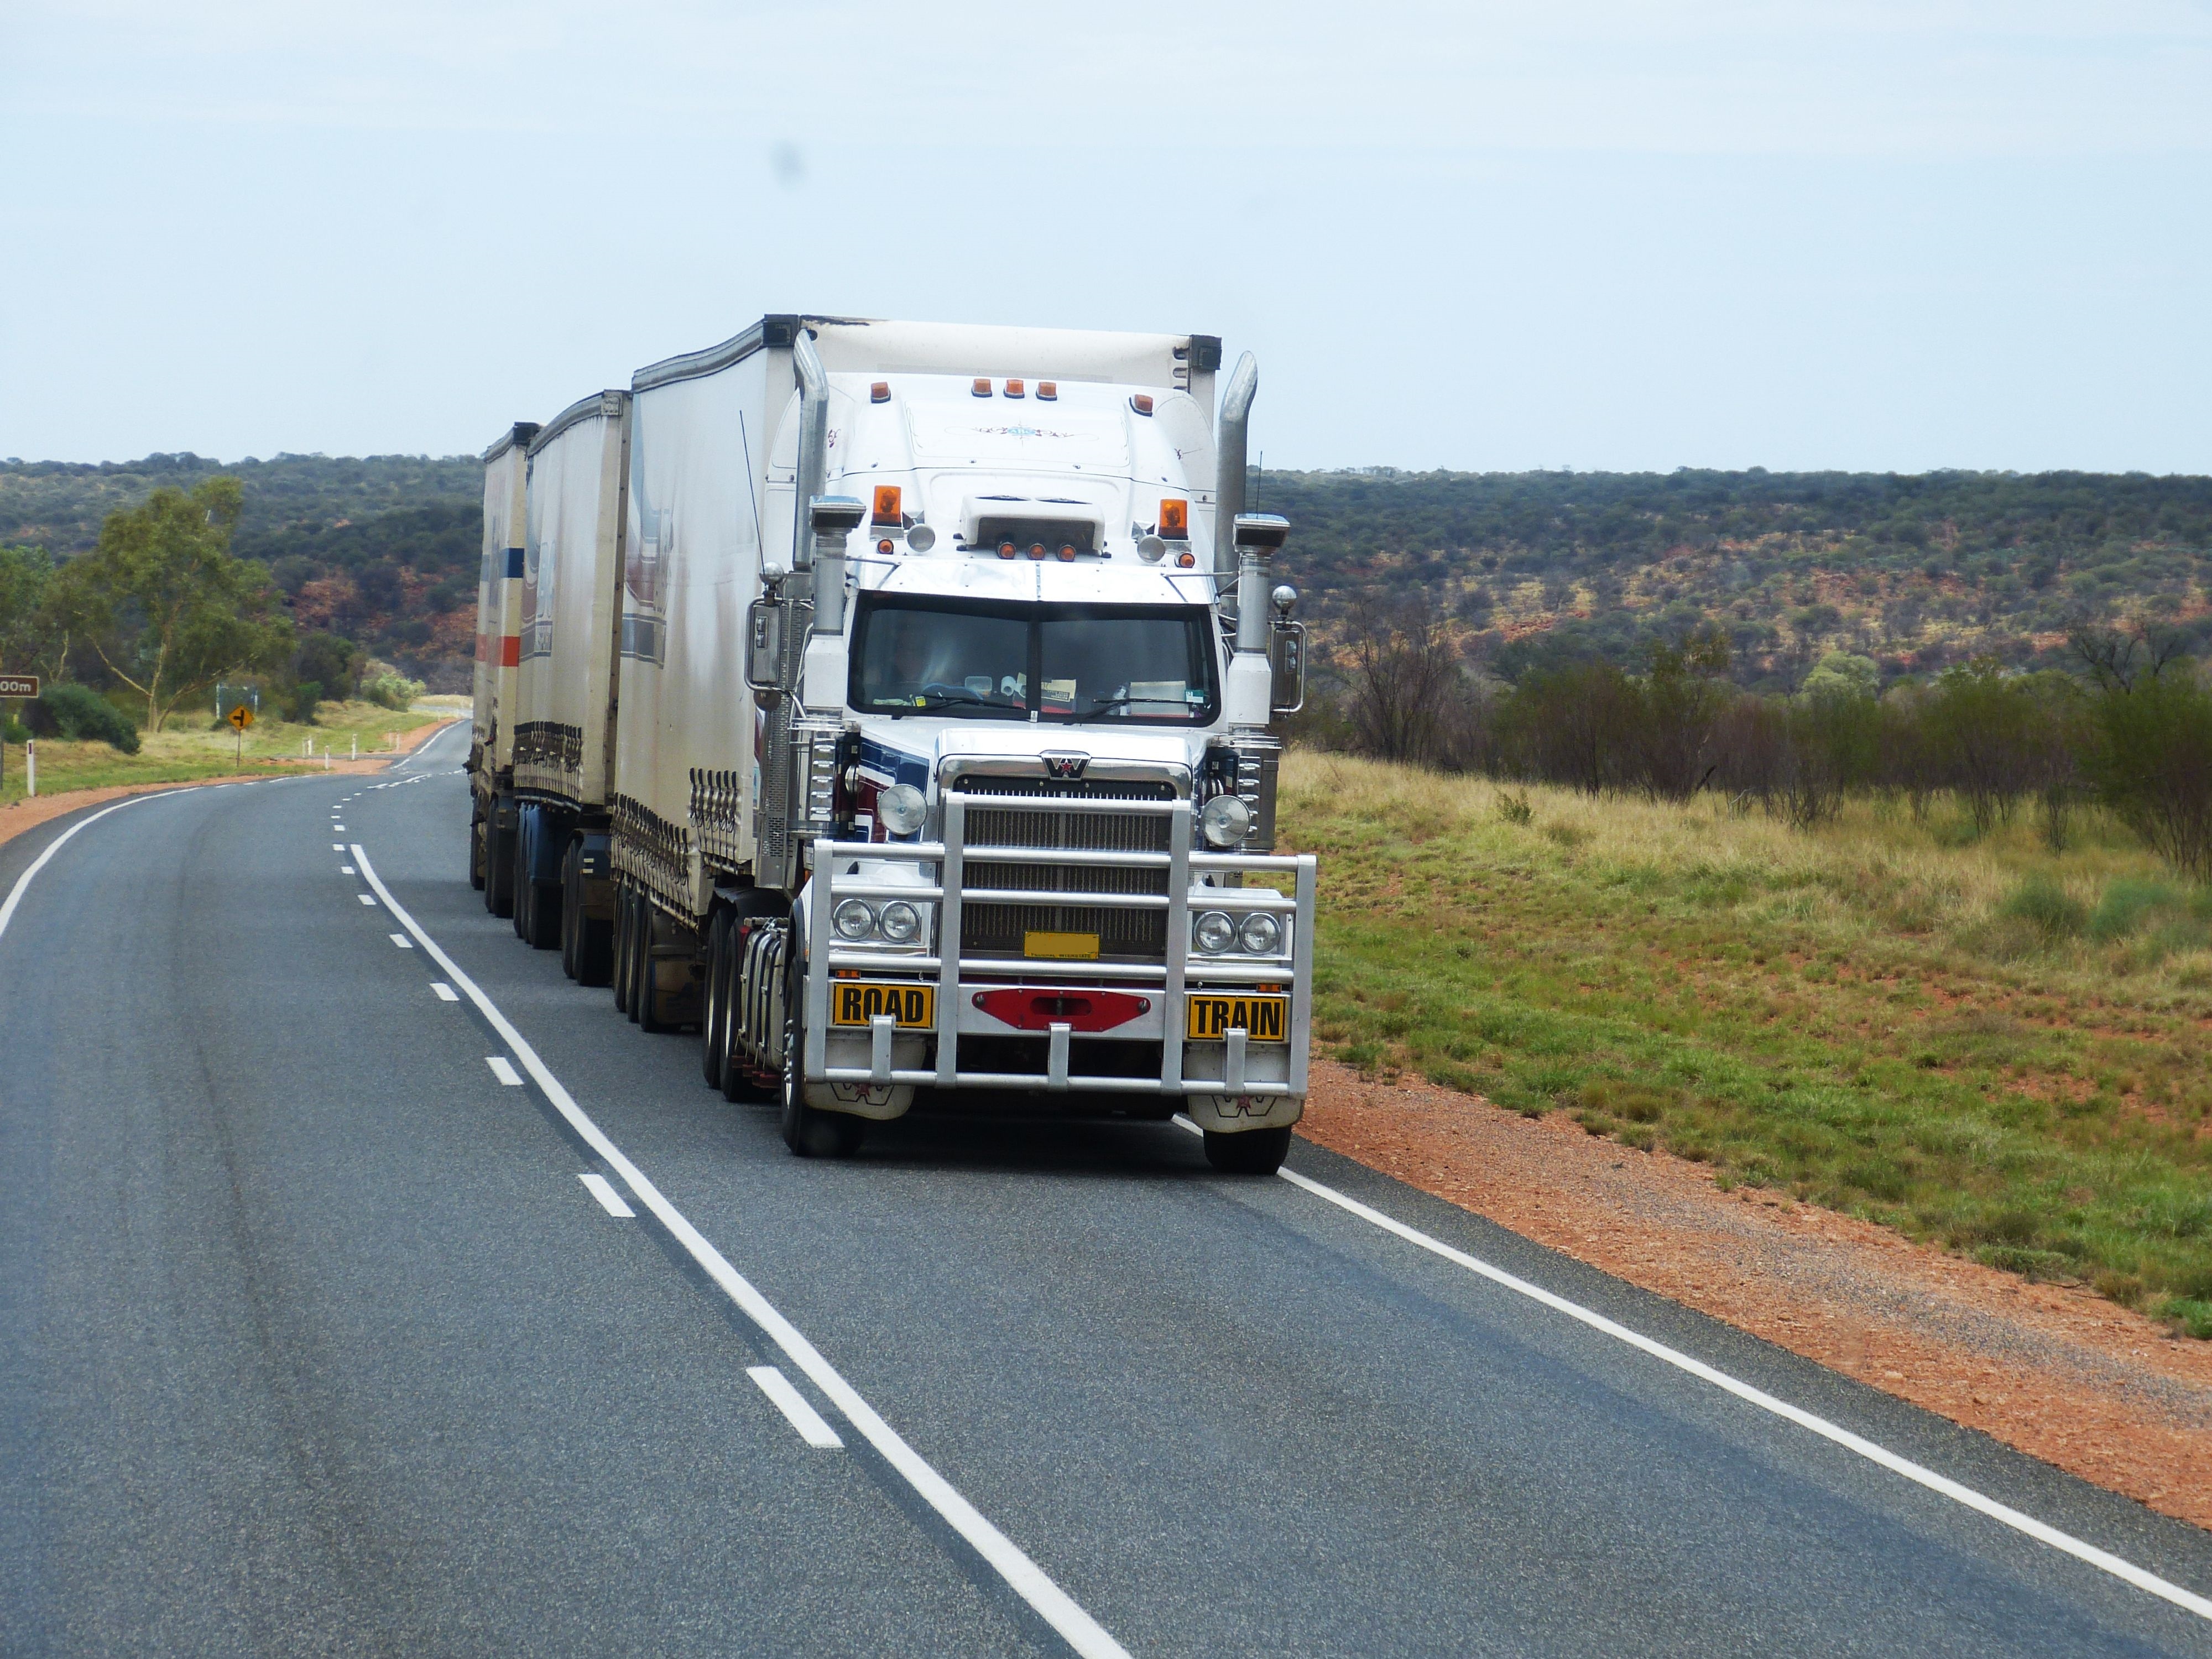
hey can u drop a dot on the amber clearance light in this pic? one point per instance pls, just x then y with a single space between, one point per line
1175 520
887 505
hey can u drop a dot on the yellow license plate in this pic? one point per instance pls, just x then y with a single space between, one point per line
1062 947
1212 1015
852 1003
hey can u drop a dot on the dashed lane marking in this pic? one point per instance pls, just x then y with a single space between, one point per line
503 1069
792 1404
446 992
609 1199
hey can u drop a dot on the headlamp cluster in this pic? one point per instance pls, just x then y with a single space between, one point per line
858 922
1252 933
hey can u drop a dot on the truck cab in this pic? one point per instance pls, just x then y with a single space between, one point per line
1014 728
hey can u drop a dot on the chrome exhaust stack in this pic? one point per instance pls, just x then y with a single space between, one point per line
813 444
1228 448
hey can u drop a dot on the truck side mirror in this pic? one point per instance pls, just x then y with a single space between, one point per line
1286 657
764 646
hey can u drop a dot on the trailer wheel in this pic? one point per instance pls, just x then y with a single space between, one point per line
645 995
715 1028
595 940
1253 1152
541 928
499 870
477 854
808 1131
570 909
525 897
621 976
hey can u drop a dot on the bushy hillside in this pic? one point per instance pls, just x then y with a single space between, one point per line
382 550
1916 572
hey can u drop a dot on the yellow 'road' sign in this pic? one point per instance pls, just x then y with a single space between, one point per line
241 717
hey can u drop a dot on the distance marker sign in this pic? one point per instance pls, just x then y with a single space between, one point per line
241 717
19 685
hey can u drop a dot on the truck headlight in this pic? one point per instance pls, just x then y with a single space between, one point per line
901 809
854 919
1261 934
1225 819
900 921
1213 933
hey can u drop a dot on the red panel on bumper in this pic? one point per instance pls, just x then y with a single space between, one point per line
1031 1010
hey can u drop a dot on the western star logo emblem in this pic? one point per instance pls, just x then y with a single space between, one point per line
1069 767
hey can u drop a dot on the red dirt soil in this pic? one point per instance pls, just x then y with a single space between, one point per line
2055 1371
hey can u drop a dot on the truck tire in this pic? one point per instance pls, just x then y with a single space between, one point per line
541 926
521 882
477 854
1251 1151
714 1028
595 943
499 870
645 994
621 977
809 1132
570 910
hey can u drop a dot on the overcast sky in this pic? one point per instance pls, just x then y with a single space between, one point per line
1596 233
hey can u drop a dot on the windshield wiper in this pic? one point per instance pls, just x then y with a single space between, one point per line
1101 706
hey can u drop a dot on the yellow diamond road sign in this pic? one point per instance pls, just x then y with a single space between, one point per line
241 717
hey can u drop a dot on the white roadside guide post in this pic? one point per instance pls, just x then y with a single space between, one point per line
30 767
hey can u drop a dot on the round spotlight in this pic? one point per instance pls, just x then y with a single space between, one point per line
900 921
1261 934
855 919
1213 933
920 539
901 809
1151 548
1224 820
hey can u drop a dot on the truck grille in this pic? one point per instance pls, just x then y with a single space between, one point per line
997 929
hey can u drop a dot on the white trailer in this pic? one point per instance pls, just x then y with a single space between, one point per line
564 700
498 601
960 781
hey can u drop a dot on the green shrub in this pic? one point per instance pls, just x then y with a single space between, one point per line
2045 906
393 689
2127 904
13 730
305 696
77 714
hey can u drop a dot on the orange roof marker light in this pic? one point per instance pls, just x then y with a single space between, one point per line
1007 549
1184 561
883 547
981 387
1141 402
1047 391
1036 549
880 392
887 505
1067 552
1014 388
1175 519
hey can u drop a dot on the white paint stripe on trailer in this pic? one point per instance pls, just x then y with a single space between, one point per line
792 1404
1029 1581
609 1199
503 1069
2042 1532
446 992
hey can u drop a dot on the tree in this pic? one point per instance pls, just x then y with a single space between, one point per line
165 604
1404 668
26 585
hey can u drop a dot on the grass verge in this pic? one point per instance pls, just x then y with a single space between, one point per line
1978 1041
194 747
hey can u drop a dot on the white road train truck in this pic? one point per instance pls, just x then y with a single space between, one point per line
893 704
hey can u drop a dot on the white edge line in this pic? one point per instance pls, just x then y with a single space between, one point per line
2042 1532
610 1200
793 1404
1082 1632
23 882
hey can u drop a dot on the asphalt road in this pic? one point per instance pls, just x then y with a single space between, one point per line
313 1340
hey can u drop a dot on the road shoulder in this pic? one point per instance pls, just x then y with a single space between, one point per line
2058 1373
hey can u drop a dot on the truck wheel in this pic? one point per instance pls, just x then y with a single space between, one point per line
570 909
645 994
621 976
808 1131
595 943
541 930
1254 1152
476 855
715 1028
525 895
499 871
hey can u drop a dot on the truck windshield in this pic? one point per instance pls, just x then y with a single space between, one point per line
917 653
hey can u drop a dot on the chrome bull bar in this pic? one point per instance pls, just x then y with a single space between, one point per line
951 972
